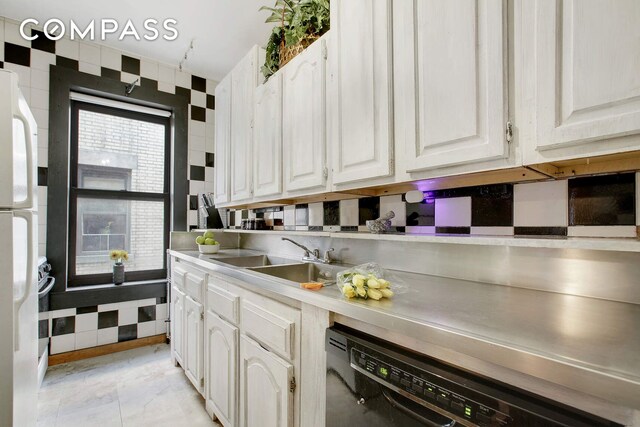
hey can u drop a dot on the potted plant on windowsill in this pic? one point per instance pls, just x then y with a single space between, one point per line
301 23
118 256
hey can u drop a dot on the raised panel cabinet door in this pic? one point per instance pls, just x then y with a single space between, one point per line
194 349
587 77
221 369
265 396
362 90
177 324
244 79
267 141
222 141
450 77
304 120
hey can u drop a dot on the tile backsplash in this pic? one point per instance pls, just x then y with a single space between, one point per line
596 206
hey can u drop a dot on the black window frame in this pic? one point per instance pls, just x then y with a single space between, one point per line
75 192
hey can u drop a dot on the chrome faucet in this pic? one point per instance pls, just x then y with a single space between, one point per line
312 255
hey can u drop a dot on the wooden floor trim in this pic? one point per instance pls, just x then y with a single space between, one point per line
72 356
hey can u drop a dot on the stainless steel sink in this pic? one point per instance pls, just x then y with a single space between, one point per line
302 273
254 261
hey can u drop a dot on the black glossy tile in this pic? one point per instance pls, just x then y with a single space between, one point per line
161 300
421 214
211 102
302 214
492 206
603 200
198 83
210 160
193 227
107 319
368 208
540 231
1 64
43 328
232 218
148 83
453 230
43 176
109 73
244 214
63 62
184 92
42 42
63 325
193 203
198 113
85 310
17 54
127 332
331 213
349 228
147 313
197 173
400 229
315 228
130 65
278 222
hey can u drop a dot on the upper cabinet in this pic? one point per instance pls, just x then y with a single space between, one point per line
580 62
451 81
244 79
304 121
223 141
361 94
267 138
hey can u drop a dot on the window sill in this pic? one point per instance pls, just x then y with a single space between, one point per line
92 295
114 286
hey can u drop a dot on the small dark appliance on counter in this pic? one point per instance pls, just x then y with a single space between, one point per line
208 215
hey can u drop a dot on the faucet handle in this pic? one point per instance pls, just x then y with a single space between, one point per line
327 257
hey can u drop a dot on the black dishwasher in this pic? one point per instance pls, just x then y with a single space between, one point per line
372 383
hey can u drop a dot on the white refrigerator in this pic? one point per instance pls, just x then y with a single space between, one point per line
18 256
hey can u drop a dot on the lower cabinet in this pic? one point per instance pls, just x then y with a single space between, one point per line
221 369
193 342
266 387
177 324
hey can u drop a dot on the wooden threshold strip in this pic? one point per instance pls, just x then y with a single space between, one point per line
86 353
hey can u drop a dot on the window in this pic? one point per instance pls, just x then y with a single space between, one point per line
119 197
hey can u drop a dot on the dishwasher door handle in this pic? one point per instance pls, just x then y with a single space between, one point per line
424 418
52 281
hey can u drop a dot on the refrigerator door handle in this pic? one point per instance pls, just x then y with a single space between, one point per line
31 266
28 203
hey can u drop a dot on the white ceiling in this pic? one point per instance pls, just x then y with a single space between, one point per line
223 30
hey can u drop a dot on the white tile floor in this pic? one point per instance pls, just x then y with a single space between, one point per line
139 387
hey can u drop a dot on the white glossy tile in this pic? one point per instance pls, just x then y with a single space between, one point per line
161 326
161 311
196 158
146 329
602 231
316 214
87 322
42 117
183 79
89 53
492 231
63 343
166 87
110 58
197 143
209 174
39 79
145 302
211 86
43 137
24 73
197 128
107 336
638 198
129 78
453 212
43 157
86 339
415 229
42 60
149 69
289 215
166 75
196 187
68 48
39 99
349 215
127 316
541 204
198 98
62 313
111 306
85 67
12 34
395 204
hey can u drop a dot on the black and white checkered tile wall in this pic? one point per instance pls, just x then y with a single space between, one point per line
78 328
599 206
31 61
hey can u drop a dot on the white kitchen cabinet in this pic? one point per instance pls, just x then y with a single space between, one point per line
222 141
267 142
177 324
580 62
266 387
361 101
244 79
193 342
221 369
304 121
450 78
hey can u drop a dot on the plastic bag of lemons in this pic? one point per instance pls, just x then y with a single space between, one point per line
365 281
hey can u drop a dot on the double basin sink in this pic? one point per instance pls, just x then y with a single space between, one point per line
285 269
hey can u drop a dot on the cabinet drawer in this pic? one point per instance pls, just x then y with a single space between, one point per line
178 277
223 303
194 284
269 328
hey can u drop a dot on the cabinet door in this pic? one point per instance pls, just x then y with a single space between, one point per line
361 70
585 59
223 141
267 142
450 80
244 80
265 396
221 374
304 120
177 324
193 345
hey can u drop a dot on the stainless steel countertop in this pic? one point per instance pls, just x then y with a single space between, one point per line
585 344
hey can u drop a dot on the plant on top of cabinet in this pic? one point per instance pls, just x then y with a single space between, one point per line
301 23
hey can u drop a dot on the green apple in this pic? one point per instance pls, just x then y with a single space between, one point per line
208 234
200 240
209 242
